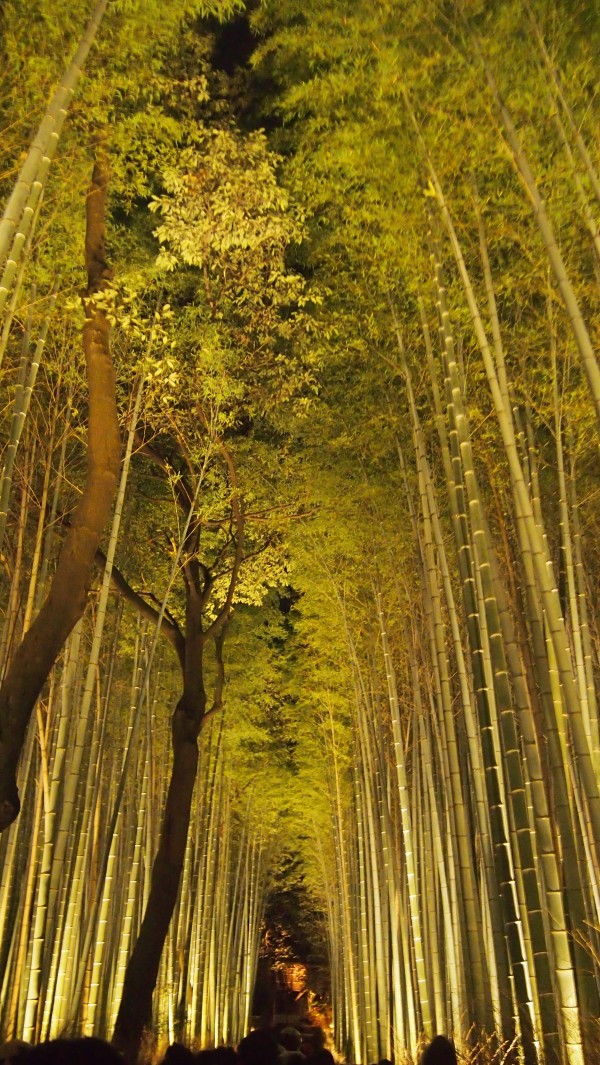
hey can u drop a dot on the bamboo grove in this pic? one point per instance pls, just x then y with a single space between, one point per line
298 517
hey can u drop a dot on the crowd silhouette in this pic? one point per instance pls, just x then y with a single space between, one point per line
262 1046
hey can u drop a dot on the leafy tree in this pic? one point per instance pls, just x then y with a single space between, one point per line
356 327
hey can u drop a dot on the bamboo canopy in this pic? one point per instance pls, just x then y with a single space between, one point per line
299 645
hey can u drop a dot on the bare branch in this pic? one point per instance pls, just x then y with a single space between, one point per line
238 514
168 626
184 496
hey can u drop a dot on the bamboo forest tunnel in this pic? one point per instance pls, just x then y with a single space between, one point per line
299 639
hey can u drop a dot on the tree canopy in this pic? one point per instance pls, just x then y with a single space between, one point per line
298 518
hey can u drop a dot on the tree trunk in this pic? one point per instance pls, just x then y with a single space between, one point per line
67 597
135 1011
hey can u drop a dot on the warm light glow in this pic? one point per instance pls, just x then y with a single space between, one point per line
294 977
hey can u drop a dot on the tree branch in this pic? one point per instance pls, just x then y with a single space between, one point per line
184 496
168 626
238 513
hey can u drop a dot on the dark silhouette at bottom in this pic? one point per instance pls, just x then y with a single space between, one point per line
440 1051
85 1051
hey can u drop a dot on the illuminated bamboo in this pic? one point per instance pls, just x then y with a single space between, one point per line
407 832
25 386
39 537
580 331
542 563
22 205
467 915
573 124
66 774
495 951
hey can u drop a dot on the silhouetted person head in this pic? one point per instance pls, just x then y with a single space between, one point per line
86 1051
178 1054
322 1057
205 1057
439 1052
259 1048
224 1056
290 1039
318 1038
12 1050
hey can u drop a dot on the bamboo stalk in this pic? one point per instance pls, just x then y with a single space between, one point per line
21 208
571 303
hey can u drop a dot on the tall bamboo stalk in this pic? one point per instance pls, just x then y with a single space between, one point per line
21 208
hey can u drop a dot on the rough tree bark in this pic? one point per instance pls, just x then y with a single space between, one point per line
66 600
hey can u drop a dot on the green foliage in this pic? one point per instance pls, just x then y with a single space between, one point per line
254 278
